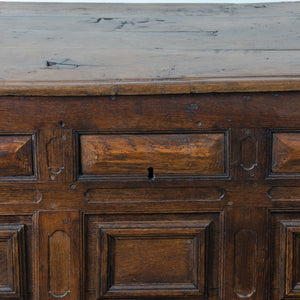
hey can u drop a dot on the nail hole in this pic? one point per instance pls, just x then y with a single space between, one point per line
150 173
61 124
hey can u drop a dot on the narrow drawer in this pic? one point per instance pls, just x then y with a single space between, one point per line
153 154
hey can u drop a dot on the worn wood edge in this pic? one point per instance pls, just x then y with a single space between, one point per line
150 87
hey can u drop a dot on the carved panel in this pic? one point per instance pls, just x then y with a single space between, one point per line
157 194
56 155
290 257
284 193
19 195
248 153
16 153
286 153
12 261
58 263
166 259
55 149
246 253
245 263
151 155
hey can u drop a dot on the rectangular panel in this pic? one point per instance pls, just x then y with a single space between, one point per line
284 193
12 250
246 254
290 257
16 155
58 255
154 194
150 155
161 259
286 153
56 162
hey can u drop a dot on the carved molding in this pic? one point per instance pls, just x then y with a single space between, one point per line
142 280
12 272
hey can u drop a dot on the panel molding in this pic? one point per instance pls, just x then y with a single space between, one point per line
140 195
285 154
290 258
110 233
13 236
17 156
131 155
58 255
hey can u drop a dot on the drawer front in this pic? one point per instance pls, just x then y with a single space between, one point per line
153 154
286 153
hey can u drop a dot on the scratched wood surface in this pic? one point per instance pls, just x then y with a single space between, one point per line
68 49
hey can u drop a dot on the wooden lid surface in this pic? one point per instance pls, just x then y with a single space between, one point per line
129 49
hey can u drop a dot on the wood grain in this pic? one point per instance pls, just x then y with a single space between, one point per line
16 154
286 153
147 271
165 154
148 49
12 255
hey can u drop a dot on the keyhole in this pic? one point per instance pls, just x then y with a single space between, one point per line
150 173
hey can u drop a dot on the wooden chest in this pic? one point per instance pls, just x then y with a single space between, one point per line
149 151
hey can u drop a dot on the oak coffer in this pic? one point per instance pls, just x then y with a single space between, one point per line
149 151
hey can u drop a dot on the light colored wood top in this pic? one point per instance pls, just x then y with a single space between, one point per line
107 49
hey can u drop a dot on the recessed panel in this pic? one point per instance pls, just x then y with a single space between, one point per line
151 155
286 153
11 261
160 259
290 257
16 155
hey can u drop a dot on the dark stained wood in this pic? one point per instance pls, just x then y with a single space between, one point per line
152 155
12 276
286 153
148 49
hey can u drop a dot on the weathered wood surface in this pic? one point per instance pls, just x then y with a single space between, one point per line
79 49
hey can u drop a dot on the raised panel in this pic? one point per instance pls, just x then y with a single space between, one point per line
16 155
151 155
286 153
152 259
12 261
290 258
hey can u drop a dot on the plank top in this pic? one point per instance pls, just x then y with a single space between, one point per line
108 49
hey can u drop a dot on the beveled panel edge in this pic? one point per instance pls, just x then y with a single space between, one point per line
217 195
17 232
148 228
34 142
278 175
93 178
288 228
